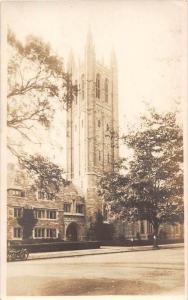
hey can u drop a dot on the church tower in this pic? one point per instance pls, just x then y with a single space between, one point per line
92 125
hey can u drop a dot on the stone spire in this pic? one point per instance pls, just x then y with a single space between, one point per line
71 66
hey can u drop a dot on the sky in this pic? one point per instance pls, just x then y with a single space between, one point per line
149 38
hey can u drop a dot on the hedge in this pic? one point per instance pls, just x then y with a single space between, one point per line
56 246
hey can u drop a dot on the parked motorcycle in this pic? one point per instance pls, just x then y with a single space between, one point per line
17 254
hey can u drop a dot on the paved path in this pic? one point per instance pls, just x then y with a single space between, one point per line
102 250
149 272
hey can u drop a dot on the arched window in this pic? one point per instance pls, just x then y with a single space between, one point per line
108 157
99 155
98 86
82 86
76 85
107 127
99 123
106 90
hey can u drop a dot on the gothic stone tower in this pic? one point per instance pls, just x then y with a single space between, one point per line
92 126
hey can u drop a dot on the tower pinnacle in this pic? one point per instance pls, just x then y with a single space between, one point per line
113 58
89 40
71 66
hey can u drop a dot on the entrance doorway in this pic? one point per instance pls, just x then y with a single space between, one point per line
72 232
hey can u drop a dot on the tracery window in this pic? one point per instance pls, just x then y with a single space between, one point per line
82 86
98 86
106 90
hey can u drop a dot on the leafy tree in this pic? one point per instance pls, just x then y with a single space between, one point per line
46 175
99 230
27 221
37 86
149 185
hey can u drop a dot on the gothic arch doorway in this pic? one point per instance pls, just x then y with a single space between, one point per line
72 232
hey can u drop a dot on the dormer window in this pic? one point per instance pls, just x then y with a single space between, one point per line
16 192
45 196
98 86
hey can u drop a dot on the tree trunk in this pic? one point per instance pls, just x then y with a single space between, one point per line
155 236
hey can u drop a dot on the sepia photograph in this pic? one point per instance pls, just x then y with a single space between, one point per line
93 123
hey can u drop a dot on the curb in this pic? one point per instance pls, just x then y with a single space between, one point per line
63 255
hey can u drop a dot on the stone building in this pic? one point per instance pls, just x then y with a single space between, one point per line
92 137
92 125
92 148
61 216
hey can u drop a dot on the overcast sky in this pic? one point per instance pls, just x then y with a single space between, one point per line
149 38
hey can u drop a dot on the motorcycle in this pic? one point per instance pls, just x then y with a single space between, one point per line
17 254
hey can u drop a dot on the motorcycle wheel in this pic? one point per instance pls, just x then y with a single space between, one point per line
9 257
24 255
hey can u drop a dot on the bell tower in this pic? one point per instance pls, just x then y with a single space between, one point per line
92 125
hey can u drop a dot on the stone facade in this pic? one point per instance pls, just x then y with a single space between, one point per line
59 217
144 230
92 125
92 148
92 134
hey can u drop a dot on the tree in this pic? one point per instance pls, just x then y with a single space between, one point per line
149 186
37 86
99 230
27 221
46 175
37 83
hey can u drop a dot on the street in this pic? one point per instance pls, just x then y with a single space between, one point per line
133 273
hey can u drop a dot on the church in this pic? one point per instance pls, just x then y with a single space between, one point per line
92 148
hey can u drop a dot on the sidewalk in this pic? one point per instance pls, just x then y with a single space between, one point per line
102 250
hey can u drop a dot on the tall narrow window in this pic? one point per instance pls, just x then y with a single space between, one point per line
67 207
82 86
106 90
17 233
99 155
142 231
17 212
80 208
98 86
76 92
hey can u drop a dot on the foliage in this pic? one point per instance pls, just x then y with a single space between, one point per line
47 175
37 84
99 230
27 221
150 187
